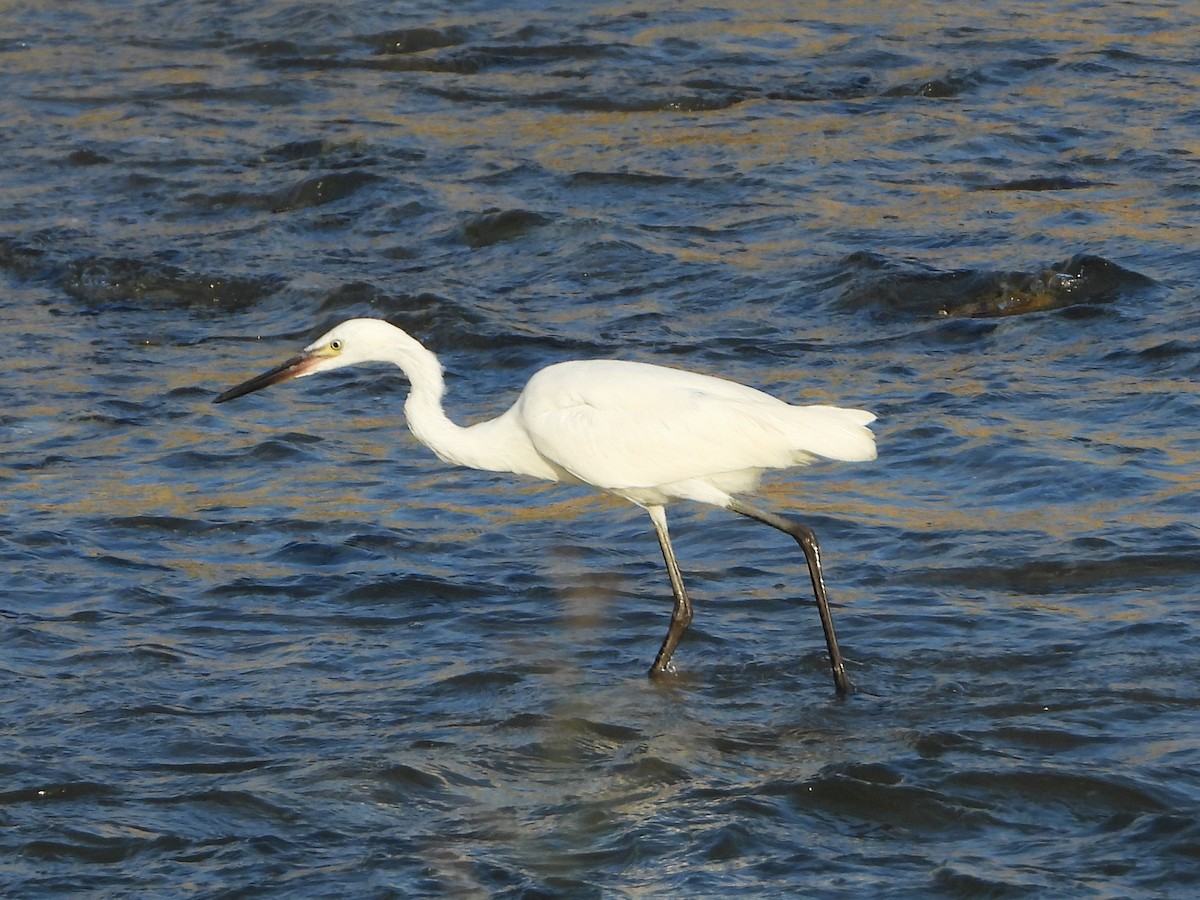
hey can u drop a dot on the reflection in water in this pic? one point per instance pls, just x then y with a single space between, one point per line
290 647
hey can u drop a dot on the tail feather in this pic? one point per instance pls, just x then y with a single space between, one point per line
834 433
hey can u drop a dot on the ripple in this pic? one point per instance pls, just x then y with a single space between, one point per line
496 226
285 649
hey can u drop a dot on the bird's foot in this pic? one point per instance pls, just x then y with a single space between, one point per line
665 670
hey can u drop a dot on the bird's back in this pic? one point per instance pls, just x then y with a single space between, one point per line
627 426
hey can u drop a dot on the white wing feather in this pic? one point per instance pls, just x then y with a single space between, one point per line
622 426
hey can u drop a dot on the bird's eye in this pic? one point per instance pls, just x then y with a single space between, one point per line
335 344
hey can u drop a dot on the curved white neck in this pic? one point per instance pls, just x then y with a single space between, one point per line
497 445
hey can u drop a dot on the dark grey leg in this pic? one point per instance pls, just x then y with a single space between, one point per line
807 540
681 615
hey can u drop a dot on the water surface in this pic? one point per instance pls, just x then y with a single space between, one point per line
276 648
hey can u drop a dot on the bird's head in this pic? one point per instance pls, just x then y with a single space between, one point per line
353 341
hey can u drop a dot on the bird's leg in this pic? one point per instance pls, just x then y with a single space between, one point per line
681 615
807 540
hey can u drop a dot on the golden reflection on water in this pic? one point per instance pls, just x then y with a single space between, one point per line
113 486
765 135
557 760
755 136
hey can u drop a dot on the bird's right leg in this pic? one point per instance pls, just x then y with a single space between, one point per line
681 615
807 539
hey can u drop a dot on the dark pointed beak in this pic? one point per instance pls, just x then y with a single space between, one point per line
297 365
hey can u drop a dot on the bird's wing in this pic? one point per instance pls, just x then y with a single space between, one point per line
620 425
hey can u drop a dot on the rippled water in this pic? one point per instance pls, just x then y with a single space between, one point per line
276 648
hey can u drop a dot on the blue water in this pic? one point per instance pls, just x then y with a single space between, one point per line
276 648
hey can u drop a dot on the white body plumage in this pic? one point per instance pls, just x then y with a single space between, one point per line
653 434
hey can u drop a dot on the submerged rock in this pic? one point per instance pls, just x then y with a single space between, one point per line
1083 279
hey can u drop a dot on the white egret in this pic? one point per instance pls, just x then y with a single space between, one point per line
646 433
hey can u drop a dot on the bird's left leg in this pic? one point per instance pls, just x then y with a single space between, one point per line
681 615
807 539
